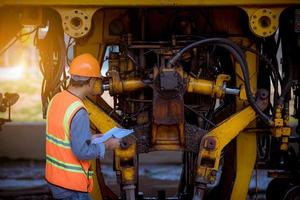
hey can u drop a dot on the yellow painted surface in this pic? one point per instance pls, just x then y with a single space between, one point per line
98 117
246 142
223 134
270 16
103 123
118 86
128 173
200 86
206 87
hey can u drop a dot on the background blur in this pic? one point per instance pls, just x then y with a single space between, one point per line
19 73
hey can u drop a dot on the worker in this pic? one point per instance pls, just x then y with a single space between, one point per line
69 146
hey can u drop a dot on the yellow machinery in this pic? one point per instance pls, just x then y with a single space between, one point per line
213 79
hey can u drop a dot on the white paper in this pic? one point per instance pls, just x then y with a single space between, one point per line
114 132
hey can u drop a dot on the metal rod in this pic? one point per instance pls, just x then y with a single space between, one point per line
233 91
105 87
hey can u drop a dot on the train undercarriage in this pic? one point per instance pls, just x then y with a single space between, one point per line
218 82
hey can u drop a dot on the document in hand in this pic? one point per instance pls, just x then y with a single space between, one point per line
114 132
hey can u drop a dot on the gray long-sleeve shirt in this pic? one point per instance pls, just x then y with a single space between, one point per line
81 146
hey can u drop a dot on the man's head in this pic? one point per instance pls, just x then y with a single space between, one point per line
85 71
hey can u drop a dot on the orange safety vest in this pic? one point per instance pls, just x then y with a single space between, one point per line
62 167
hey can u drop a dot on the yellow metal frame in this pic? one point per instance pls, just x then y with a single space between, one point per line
104 123
128 174
148 2
263 22
76 22
246 146
214 142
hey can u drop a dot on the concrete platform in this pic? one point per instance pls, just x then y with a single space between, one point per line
27 141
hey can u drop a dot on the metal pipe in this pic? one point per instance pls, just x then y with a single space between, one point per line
232 91
105 87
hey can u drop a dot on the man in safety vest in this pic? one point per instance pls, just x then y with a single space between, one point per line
68 138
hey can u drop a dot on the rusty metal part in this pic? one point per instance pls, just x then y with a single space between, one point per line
168 109
193 136
142 135
169 82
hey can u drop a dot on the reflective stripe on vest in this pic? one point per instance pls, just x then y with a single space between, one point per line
62 166
68 167
59 142
66 143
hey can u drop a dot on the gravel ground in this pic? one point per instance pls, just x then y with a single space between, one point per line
23 179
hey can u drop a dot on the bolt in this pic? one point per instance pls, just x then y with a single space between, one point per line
213 173
210 143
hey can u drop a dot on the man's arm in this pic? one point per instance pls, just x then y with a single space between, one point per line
81 138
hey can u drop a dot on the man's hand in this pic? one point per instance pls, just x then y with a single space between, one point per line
112 143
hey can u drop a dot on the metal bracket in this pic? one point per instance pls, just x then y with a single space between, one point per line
76 22
263 22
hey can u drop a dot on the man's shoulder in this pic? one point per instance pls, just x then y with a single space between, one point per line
81 114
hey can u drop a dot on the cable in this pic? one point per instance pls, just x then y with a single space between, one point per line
52 52
236 51
200 115
15 40
272 70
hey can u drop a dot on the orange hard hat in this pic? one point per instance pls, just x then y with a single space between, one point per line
85 65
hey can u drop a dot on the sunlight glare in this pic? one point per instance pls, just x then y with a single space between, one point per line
11 73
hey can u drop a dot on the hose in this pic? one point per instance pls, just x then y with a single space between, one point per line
287 87
52 61
236 51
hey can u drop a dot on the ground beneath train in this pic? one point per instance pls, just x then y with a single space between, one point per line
24 179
